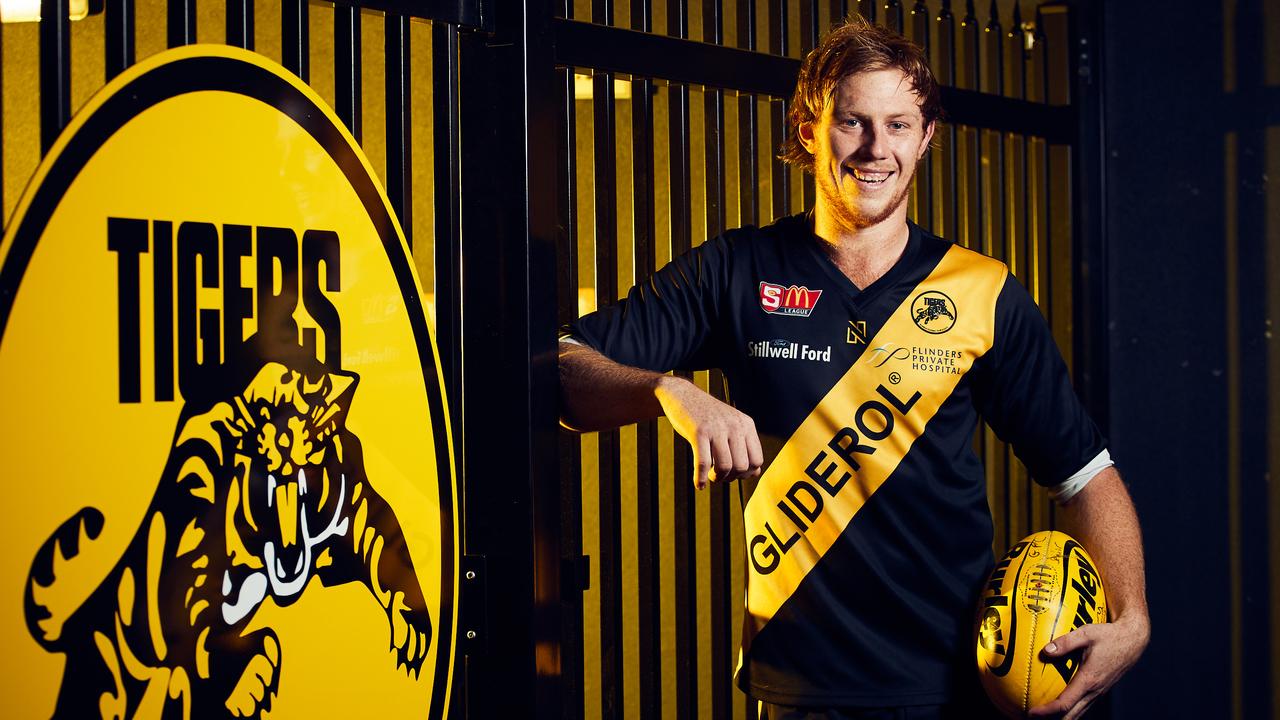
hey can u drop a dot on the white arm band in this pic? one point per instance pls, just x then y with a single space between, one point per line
572 340
1067 489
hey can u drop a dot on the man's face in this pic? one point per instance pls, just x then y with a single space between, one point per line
866 145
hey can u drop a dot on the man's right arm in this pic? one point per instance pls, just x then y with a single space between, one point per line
597 393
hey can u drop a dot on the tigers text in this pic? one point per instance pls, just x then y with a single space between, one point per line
227 277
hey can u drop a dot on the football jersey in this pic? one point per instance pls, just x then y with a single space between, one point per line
868 535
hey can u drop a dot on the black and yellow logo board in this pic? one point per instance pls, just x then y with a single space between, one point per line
228 470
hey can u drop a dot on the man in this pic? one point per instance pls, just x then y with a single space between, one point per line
859 351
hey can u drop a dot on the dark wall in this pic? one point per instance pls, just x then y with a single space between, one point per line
1192 368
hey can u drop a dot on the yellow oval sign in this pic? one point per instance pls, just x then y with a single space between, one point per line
229 474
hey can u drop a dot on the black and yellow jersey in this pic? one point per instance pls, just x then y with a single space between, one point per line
868 536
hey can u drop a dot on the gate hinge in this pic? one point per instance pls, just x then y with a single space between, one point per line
473 606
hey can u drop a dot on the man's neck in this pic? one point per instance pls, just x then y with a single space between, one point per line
862 254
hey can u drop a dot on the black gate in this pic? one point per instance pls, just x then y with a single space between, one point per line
542 158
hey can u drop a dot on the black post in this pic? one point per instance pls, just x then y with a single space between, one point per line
1089 195
347 72
575 568
294 32
55 70
509 396
239 23
119 37
182 22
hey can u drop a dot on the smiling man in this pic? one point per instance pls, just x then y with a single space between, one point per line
860 352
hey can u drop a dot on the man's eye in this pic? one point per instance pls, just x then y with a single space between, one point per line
852 122
898 126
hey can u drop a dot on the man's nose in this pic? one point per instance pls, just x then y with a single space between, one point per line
874 143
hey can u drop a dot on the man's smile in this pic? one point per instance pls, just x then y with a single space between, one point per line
870 177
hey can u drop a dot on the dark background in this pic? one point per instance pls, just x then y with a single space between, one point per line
1191 244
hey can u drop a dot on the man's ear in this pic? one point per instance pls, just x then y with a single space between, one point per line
928 136
805 132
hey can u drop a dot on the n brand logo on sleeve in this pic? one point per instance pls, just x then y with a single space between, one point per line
788 300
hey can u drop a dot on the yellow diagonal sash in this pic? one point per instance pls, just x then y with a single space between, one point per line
855 438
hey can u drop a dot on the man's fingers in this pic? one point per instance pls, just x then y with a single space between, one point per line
1074 691
722 460
1080 685
1054 709
1071 704
1065 644
741 458
701 461
755 453
1082 706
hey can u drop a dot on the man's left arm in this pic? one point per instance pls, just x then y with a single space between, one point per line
1101 516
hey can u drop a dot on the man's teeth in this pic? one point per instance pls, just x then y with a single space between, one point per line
871 177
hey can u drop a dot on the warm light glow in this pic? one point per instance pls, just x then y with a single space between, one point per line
582 88
15 11
586 300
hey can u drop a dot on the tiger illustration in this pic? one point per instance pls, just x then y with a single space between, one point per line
262 491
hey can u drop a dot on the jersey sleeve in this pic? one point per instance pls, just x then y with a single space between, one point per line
669 321
1024 393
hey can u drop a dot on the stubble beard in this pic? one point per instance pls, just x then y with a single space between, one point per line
848 212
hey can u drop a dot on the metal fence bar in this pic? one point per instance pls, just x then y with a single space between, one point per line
778 112
810 34
346 68
399 128
294 53
686 585
684 525
748 126
55 70
922 189
181 22
992 148
575 573
446 141
894 16
867 8
119 30
239 23
648 600
809 28
947 215
721 611
748 214
606 227
970 78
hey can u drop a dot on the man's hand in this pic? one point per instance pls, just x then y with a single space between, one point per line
597 393
1109 650
724 440
1102 518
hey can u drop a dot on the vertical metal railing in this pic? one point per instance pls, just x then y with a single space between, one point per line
684 521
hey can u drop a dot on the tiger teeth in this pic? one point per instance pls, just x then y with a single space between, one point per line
302 483
271 489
